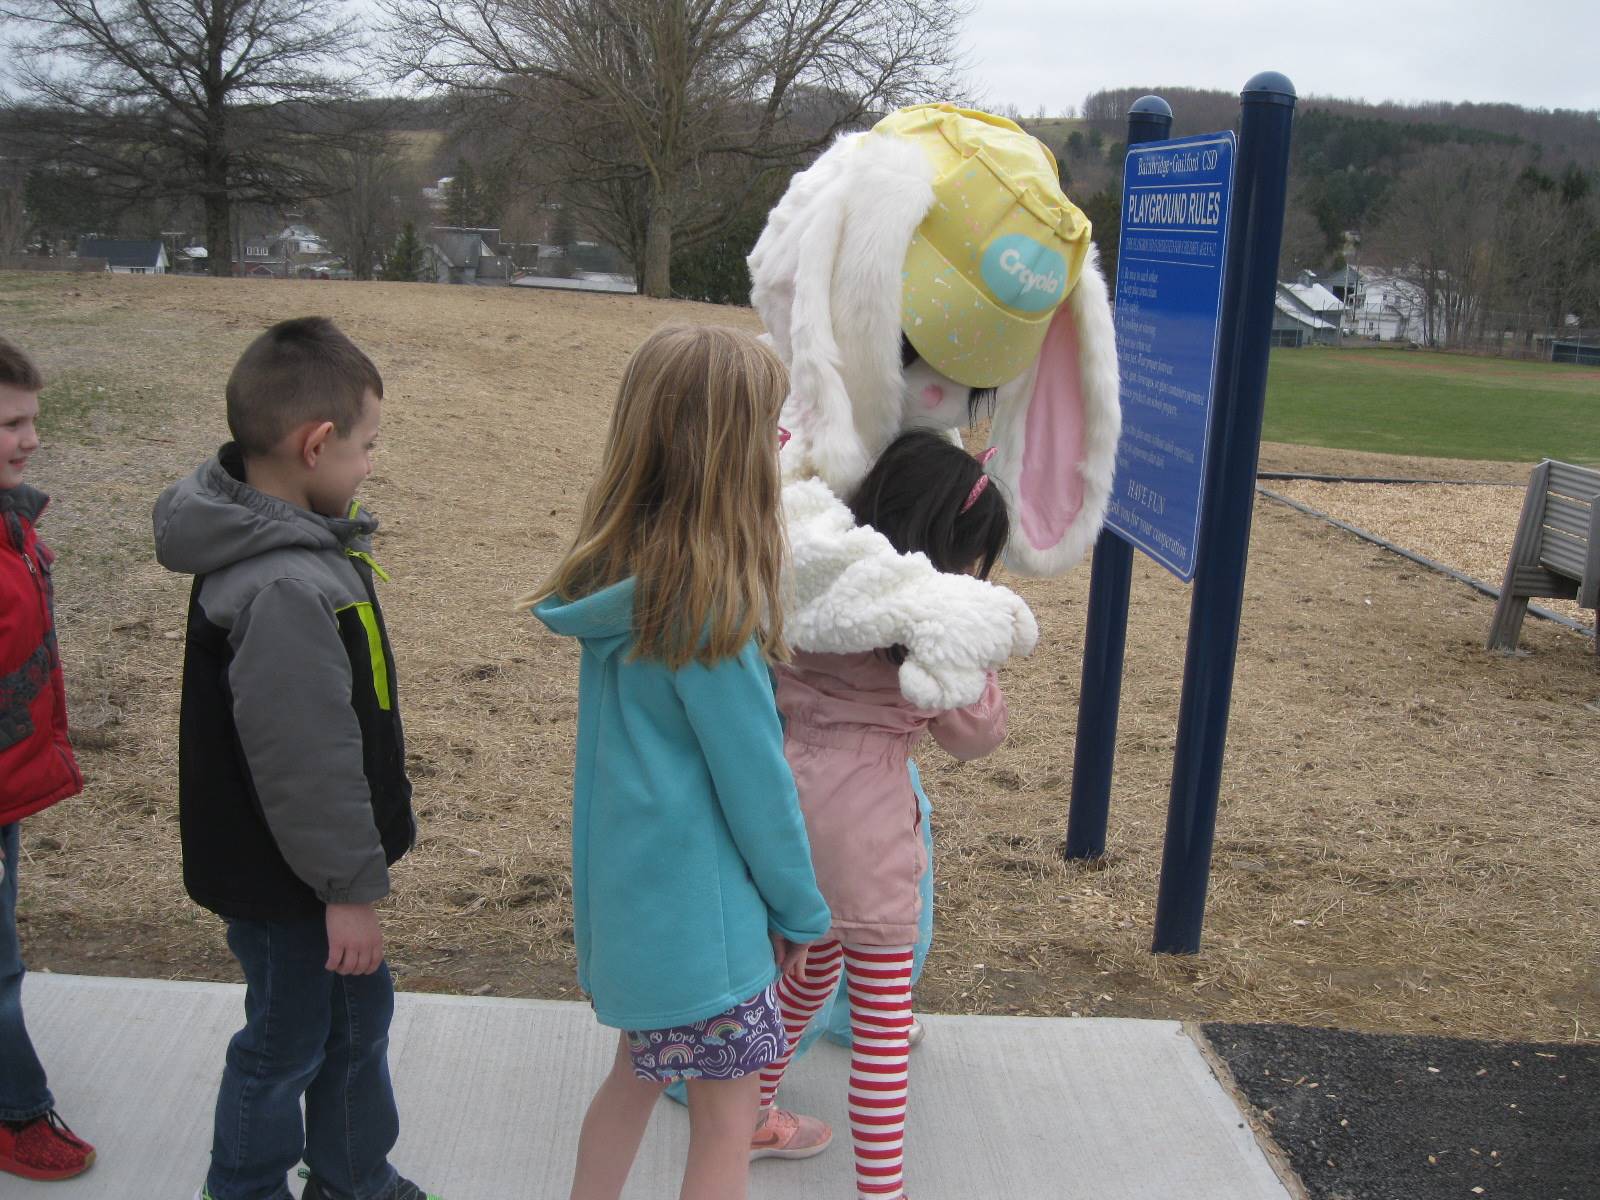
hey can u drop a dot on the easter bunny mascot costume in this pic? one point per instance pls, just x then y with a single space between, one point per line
904 277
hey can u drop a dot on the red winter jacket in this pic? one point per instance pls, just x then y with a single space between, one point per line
36 763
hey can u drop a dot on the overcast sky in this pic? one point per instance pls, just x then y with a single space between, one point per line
1537 53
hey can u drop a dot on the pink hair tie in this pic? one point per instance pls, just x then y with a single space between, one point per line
983 479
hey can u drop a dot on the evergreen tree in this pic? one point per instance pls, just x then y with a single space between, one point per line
463 198
1104 210
408 259
715 270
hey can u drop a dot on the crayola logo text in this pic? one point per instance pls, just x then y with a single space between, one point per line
1011 263
1023 273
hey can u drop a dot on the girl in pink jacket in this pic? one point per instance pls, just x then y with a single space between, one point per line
848 733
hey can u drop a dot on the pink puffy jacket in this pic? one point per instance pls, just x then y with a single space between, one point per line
847 735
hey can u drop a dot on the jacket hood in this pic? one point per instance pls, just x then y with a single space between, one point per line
602 621
212 519
27 502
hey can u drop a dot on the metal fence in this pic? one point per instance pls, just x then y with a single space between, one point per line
1575 349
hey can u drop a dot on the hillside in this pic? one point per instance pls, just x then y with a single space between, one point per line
1348 157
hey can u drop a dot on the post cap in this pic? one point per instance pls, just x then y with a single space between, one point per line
1268 87
1151 106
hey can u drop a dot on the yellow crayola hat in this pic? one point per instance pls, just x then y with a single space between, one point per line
997 253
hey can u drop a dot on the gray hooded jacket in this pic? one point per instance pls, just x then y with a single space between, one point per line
285 636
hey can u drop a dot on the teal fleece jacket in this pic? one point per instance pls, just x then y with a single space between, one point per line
687 842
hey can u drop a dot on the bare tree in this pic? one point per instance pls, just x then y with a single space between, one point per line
1538 286
660 115
214 99
14 219
1552 251
1304 246
373 189
1443 231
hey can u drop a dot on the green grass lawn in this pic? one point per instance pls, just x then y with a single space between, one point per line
1439 405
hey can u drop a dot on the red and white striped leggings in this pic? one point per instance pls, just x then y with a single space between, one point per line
879 982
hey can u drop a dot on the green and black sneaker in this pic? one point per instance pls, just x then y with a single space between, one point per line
403 1189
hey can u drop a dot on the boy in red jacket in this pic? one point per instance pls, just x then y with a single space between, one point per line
36 770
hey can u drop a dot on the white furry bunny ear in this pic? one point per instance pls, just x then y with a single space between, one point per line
1055 431
826 279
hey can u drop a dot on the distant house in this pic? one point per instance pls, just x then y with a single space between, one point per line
327 268
301 241
262 257
436 194
294 252
1343 283
1297 319
1385 308
1316 299
126 257
465 255
1377 305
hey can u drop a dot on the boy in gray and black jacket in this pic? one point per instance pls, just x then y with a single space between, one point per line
292 793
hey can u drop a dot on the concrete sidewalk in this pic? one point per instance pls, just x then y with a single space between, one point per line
492 1091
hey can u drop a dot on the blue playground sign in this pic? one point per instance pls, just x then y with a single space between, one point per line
1175 205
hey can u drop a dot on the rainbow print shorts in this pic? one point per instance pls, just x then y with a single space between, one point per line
730 1045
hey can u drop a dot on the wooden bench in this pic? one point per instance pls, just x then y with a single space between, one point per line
1556 551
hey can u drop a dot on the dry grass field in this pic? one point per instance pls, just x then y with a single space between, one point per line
1408 827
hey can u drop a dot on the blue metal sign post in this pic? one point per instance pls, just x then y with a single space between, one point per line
1175 207
1106 631
1261 186
1219 545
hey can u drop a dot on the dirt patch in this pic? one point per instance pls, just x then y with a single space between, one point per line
1408 824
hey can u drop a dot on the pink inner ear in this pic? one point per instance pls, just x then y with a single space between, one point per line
1050 487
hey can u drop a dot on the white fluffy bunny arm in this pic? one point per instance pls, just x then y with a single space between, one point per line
854 592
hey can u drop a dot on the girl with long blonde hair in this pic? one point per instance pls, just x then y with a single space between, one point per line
691 875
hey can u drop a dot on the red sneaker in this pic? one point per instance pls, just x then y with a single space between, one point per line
43 1148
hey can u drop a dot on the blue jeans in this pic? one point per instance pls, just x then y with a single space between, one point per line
23 1091
308 1032
833 1018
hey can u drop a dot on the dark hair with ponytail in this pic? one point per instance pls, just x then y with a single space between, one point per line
914 496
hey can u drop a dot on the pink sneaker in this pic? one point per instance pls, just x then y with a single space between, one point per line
789 1135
